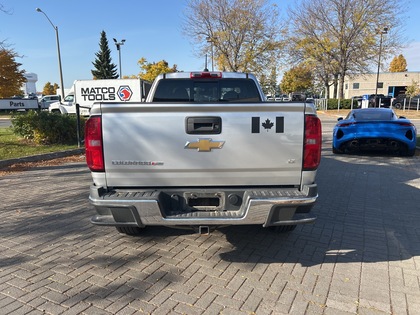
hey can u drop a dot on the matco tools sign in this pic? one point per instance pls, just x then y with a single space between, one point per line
107 90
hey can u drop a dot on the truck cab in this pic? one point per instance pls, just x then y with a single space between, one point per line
67 106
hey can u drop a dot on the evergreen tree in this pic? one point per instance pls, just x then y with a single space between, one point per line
264 84
273 82
104 68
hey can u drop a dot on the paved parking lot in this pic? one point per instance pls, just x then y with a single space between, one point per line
362 256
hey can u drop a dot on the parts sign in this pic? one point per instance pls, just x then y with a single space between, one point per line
18 103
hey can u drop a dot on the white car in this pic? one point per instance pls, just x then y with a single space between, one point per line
47 100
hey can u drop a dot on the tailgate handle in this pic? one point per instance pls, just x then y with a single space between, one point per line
203 125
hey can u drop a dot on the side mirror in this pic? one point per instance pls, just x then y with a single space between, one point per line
402 117
339 118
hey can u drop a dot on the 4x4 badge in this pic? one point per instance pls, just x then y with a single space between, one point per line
204 145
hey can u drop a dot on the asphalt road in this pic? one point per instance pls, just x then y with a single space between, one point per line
5 123
362 256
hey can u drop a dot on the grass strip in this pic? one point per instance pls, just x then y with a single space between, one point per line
12 146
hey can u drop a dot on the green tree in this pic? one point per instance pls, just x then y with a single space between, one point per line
319 58
242 35
398 64
346 34
11 78
269 83
149 71
413 89
297 79
104 68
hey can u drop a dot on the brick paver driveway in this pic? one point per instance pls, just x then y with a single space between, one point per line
362 256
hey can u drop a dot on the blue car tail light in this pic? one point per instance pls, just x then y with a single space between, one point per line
405 123
347 124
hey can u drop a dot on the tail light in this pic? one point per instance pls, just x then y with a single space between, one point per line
347 124
313 142
405 124
93 144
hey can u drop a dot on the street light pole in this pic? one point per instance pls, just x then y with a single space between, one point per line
119 44
58 53
381 32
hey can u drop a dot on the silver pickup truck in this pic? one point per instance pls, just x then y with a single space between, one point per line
205 150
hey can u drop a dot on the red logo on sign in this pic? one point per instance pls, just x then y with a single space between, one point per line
124 93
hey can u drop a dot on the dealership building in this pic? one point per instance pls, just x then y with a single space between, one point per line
389 83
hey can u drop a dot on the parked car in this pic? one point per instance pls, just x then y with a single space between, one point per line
46 100
379 100
298 97
374 129
410 103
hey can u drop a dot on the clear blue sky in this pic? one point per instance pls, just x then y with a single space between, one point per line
152 29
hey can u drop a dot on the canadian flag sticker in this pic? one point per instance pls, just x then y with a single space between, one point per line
267 124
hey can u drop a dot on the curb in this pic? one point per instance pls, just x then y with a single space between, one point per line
41 157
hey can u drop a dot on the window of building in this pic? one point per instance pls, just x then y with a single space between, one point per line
346 86
380 85
356 86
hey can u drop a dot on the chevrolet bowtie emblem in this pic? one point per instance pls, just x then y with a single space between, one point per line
204 145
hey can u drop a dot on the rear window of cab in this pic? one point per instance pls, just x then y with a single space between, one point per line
190 90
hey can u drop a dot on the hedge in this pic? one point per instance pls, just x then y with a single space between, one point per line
47 128
344 104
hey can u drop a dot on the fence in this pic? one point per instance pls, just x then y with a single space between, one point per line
403 104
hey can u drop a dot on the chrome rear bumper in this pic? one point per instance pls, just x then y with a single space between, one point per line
268 207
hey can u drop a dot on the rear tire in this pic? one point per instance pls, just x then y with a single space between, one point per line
336 151
397 106
129 230
409 152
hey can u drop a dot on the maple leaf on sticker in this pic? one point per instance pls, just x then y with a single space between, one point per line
267 124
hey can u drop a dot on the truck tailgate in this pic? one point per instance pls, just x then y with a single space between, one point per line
193 145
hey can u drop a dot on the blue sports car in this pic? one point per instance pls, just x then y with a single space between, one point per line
374 129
